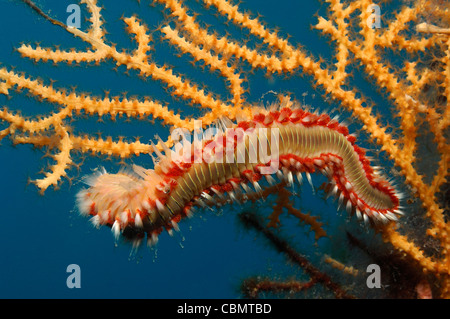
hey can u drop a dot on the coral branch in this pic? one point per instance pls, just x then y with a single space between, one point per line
251 220
407 60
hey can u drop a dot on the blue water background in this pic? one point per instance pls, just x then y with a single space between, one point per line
41 235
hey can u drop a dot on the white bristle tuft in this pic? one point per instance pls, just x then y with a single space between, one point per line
218 193
136 243
270 179
391 216
146 205
207 196
138 221
358 214
366 219
83 202
308 177
348 207
160 206
175 225
95 221
257 187
399 212
384 218
299 178
290 178
116 229
280 175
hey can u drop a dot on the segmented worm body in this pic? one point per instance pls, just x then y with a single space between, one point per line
285 144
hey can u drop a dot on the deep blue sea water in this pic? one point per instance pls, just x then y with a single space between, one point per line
42 234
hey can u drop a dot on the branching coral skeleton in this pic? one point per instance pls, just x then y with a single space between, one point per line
355 43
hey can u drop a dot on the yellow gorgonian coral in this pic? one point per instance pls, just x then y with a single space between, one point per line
416 83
